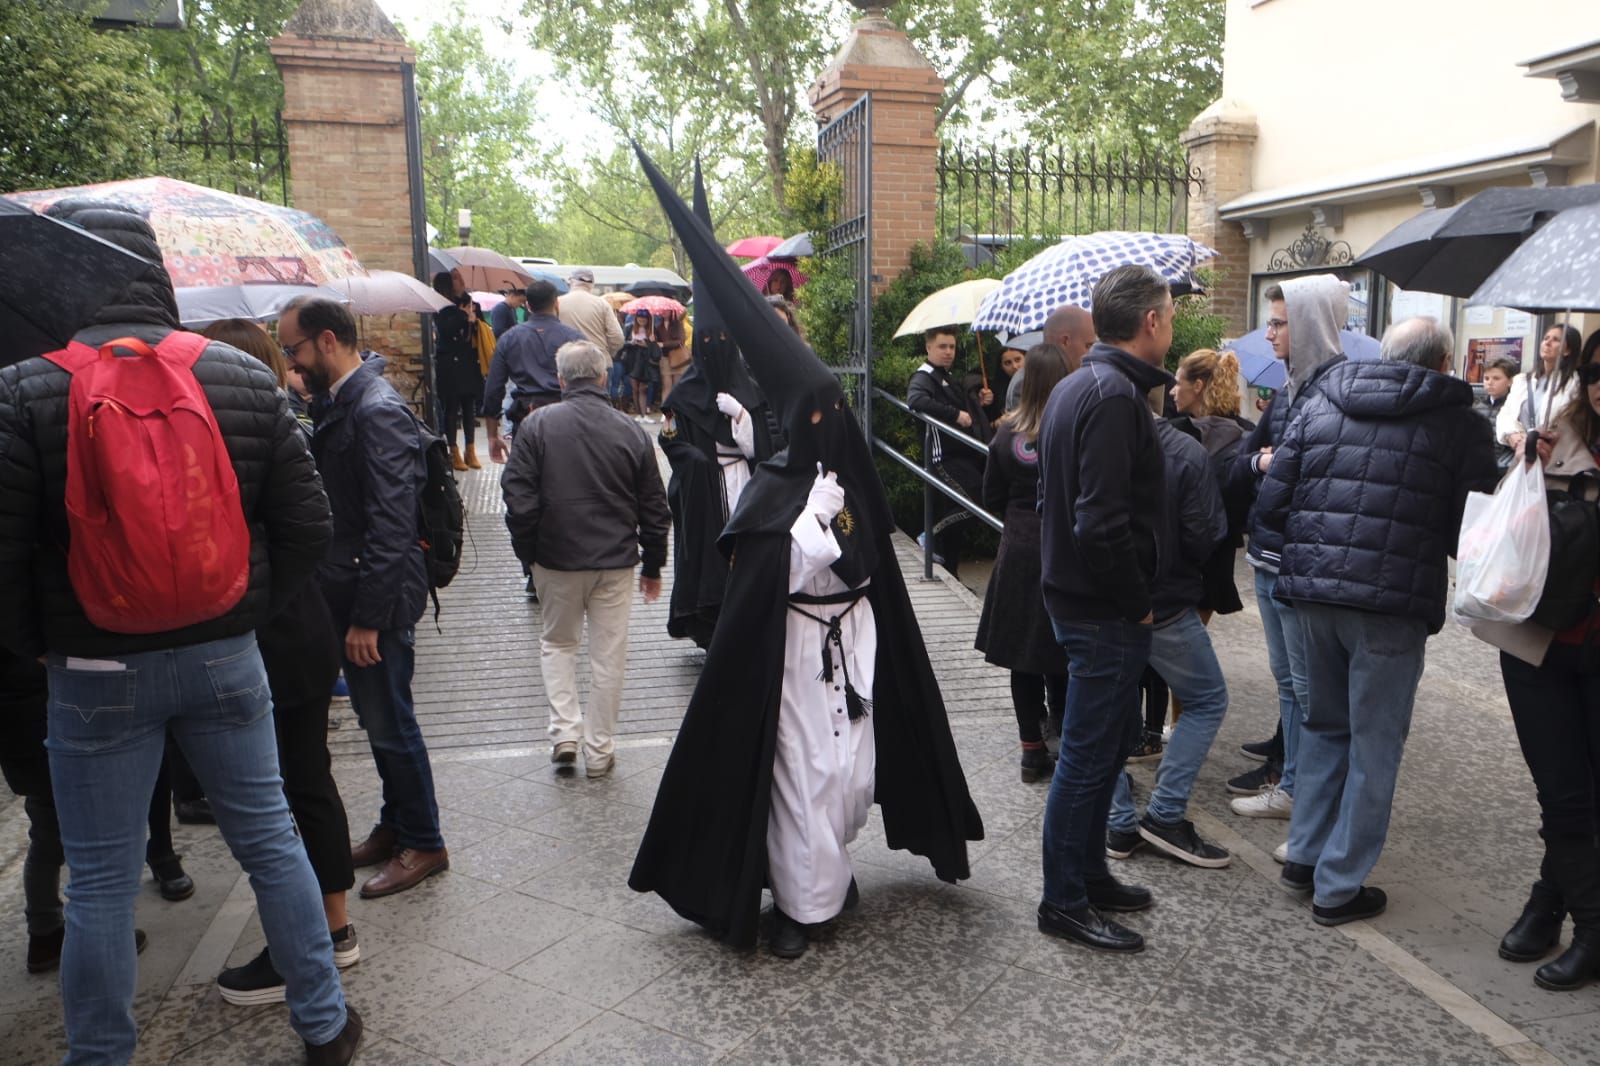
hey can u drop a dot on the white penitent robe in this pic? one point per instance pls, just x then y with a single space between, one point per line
822 775
734 462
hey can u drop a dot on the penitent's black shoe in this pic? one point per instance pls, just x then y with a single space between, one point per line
1088 927
1366 903
1114 895
1538 929
788 939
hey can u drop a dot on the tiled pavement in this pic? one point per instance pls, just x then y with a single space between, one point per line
533 950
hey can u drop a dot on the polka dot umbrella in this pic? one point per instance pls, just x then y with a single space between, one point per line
1066 273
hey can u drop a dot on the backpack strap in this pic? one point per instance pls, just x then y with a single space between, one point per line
74 357
182 347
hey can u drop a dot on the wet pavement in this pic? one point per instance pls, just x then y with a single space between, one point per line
532 949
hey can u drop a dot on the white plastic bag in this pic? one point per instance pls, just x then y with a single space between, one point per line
1504 550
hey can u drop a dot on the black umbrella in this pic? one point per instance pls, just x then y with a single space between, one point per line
1556 269
1453 250
647 287
53 278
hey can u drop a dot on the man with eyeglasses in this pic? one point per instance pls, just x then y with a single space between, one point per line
369 451
1304 316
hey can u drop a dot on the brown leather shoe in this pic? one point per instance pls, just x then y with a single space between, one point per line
341 1050
406 870
379 847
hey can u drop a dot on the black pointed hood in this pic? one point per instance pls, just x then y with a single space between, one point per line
810 403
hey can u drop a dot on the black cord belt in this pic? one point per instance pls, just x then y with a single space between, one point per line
856 708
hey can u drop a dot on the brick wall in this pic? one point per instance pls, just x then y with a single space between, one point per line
1220 143
905 93
344 110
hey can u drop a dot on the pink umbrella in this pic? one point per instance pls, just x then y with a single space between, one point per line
753 247
655 305
486 300
762 269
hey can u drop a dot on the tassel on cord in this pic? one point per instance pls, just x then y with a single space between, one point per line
855 707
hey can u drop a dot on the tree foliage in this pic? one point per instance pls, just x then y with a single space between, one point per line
478 147
79 106
218 66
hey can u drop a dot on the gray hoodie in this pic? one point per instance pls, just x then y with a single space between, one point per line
1317 307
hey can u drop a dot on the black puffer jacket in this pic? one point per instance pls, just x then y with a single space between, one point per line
1362 503
278 486
369 451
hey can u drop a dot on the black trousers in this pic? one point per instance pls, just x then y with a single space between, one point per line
1035 693
461 410
1556 710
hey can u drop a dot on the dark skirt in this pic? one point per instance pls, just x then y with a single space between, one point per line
1014 630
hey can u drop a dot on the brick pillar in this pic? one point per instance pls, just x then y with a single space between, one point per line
1220 143
878 59
343 64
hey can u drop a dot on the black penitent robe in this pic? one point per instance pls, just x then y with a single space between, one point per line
705 849
694 492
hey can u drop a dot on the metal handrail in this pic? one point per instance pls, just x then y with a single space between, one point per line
930 481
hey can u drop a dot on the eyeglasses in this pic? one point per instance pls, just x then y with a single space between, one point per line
288 349
1276 324
1589 374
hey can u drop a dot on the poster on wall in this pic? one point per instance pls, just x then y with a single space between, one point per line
1482 350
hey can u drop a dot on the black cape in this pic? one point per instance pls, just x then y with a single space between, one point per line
705 848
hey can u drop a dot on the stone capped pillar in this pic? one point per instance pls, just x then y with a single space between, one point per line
343 65
879 59
1220 142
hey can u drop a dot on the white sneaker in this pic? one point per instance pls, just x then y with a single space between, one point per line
1280 854
1273 803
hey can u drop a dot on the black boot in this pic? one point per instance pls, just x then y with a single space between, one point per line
174 883
1539 928
788 939
1037 764
1574 967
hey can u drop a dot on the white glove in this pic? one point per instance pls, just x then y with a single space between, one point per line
827 498
730 407
744 436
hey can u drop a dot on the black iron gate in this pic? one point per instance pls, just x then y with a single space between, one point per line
846 143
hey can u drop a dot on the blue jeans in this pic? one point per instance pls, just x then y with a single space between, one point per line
1105 659
1287 656
617 380
381 697
107 731
1181 653
1364 669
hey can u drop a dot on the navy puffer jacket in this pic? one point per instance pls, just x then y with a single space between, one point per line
1362 503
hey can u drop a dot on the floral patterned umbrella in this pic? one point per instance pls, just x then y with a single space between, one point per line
656 305
211 238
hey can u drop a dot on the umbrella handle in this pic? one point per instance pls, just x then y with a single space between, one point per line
983 366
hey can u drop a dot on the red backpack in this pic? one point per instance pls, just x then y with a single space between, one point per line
159 540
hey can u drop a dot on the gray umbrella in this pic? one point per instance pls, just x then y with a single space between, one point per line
797 247
1556 269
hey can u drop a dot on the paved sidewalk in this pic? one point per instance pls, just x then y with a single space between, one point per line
533 950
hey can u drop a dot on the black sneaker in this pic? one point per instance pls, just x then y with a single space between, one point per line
1181 842
1261 750
254 983
1366 903
1121 845
346 951
1148 749
1297 877
1255 781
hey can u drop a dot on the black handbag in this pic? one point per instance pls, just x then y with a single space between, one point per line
1568 596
